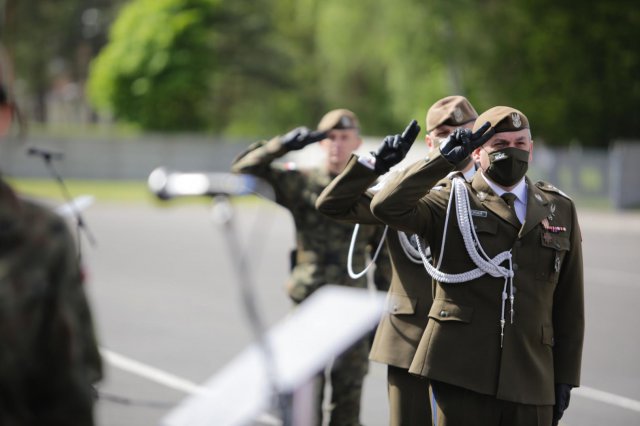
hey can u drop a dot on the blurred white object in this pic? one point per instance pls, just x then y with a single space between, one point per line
302 344
76 205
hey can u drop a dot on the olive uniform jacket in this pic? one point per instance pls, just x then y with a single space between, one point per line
322 244
461 344
409 297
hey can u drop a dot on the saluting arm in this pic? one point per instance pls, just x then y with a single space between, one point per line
346 198
399 203
257 158
400 206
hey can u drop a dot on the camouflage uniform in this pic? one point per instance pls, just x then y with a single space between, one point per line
320 258
48 352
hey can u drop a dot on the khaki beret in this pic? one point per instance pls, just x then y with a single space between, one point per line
338 119
503 119
452 111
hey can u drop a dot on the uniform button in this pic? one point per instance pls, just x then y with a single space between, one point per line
395 308
444 314
515 267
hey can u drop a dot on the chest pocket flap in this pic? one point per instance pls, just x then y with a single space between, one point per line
400 304
556 242
445 310
485 225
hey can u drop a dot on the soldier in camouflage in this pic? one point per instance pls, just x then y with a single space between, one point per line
49 358
322 244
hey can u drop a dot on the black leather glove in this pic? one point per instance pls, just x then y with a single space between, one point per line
563 395
394 148
300 137
462 142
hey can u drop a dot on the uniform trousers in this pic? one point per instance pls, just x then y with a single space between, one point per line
408 398
346 377
455 406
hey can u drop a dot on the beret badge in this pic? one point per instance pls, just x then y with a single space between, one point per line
515 119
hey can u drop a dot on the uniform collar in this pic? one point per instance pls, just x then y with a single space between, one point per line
489 199
537 208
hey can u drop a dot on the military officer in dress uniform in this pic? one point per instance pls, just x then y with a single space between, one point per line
322 243
409 299
503 344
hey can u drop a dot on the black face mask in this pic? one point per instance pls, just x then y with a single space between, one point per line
507 166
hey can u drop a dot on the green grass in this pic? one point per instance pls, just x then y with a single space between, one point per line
125 192
111 191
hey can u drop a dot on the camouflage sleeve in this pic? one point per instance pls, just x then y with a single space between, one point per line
257 160
69 351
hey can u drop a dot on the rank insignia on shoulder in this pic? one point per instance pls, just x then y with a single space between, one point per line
479 213
551 188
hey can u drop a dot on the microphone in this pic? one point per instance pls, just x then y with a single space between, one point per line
167 184
46 154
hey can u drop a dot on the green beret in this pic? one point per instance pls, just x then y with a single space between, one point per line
503 119
338 119
452 111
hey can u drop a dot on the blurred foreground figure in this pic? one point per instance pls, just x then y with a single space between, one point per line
49 358
322 244
503 344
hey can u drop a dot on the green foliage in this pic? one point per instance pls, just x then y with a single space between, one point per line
154 71
248 68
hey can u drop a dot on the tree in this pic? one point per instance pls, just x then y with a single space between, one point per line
46 39
183 64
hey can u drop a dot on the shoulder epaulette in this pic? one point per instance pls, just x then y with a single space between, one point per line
547 187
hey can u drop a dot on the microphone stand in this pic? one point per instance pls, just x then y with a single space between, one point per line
223 215
47 157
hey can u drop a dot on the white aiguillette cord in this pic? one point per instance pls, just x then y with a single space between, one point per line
485 264
352 274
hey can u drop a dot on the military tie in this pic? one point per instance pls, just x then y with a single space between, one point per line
510 199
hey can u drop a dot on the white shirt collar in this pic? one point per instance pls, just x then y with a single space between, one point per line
468 175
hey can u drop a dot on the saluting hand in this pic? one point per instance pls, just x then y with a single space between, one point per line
394 148
300 137
462 142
